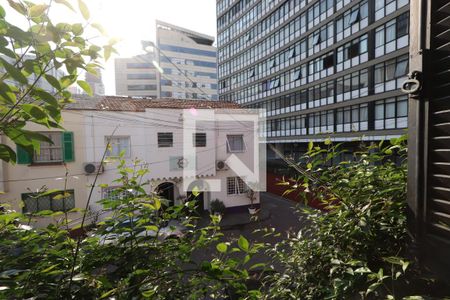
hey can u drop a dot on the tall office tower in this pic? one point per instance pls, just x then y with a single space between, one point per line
320 67
96 82
188 61
136 76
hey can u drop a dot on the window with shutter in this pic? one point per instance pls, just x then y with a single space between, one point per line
429 136
23 157
60 150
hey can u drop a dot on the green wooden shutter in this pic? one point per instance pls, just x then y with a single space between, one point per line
23 157
68 148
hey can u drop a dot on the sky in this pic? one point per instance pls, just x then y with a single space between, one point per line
134 20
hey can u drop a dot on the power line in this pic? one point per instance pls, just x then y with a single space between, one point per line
106 170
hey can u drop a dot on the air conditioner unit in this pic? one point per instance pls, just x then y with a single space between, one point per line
221 165
93 168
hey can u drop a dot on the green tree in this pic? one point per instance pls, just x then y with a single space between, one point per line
357 243
29 54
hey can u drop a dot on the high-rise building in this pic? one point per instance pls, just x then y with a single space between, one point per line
188 61
182 65
136 76
320 68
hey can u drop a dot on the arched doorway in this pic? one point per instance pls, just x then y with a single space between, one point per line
166 190
201 186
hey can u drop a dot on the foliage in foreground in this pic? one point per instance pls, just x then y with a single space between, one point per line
44 263
30 56
355 247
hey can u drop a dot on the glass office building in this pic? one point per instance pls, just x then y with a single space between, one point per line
320 68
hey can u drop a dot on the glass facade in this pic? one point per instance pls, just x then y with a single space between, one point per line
316 66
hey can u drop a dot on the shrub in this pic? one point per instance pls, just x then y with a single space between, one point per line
217 206
355 245
138 264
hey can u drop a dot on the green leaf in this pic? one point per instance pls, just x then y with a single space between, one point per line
85 86
19 7
100 28
363 270
310 146
14 72
7 154
83 9
38 10
46 97
195 191
107 50
222 247
6 94
151 228
66 3
2 12
327 142
108 293
243 243
34 111
53 81
77 29
256 266
372 287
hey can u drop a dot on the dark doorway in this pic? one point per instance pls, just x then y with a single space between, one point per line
166 190
200 196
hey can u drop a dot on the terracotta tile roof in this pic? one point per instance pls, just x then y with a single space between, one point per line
117 103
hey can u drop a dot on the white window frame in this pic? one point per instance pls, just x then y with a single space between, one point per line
238 186
244 146
44 146
110 139
107 191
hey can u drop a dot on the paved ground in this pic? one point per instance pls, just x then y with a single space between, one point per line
282 216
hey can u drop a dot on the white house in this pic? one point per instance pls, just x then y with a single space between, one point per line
185 143
210 145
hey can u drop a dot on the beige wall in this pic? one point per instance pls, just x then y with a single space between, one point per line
142 129
21 179
90 129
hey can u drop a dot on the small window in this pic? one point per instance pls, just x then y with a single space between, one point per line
353 50
328 61
199 139
390 108
236 186
316 39
379 110
402 25
118 144
291 53
50 152
354 17
401 69
297 75
114 193
272 63
275 83
235 143
165 139
57 201
402 108
251 73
